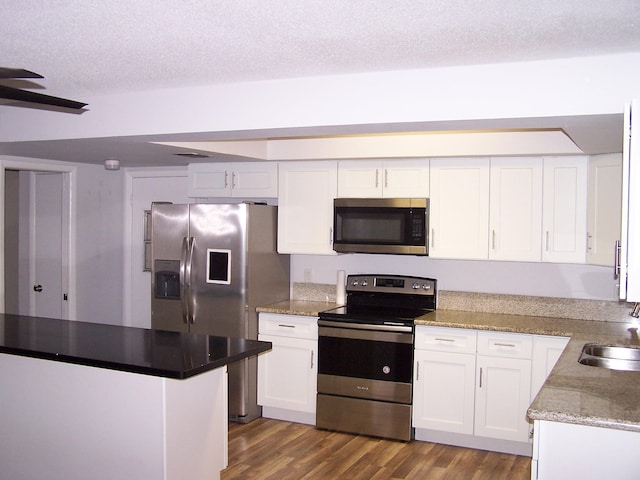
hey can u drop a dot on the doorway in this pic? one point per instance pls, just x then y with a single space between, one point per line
37 242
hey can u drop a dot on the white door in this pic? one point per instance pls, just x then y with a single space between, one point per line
305 207
47 281
459 208
502 397
146 190
443 397
515 209
564 209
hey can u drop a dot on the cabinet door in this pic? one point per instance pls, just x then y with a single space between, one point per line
209 180
305 206
443 397
287 374
564 210
405 178
604 208
546 352
502 398
628 268
515 216
248 180
459 208
360 179
255 180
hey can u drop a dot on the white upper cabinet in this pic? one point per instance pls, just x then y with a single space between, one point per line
305 206
604 208
383 178
564 209
459 208
245 180
515 215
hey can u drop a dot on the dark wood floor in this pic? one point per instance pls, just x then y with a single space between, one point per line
274 450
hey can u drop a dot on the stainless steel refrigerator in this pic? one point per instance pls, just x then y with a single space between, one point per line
212 265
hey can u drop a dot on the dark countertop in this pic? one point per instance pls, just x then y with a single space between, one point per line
136 350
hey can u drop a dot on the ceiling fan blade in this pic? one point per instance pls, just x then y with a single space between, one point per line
25 96
18 73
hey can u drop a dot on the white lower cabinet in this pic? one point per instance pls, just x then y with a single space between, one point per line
472 388
546 352
584 452
443 396
287 374
502 398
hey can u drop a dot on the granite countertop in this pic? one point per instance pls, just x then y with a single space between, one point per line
309 308
136 350
573 393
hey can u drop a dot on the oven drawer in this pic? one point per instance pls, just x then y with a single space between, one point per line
365 417
498 344
298 326
443 339
365 388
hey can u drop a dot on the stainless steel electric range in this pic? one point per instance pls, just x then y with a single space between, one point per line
365 355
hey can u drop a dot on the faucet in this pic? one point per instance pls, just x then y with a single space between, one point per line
635 312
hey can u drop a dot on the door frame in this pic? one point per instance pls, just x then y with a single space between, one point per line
130 174
69 192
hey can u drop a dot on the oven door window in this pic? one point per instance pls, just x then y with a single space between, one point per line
370 359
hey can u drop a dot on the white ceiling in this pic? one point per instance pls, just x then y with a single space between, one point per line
93 48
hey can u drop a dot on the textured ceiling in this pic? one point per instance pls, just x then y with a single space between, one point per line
85 48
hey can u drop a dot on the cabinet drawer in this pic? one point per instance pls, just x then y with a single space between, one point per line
299 326
443 339
498 344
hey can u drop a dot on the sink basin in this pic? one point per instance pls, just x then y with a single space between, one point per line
613 357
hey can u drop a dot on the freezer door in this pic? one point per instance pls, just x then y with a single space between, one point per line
218 269
169 229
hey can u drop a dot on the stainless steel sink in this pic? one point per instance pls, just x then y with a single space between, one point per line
613 357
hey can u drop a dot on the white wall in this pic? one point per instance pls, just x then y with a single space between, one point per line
515 278
100 251
575 86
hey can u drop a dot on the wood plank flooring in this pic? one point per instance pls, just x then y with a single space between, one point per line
273 450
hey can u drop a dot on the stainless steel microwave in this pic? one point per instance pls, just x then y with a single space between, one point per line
381 225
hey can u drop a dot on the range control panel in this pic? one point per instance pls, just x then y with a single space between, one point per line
399 284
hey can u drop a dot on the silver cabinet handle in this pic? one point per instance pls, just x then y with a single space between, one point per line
433 238
226 179
445 340
417 371
377 174
233 180
386 177
510 345
546 241
493 239
286 326
311 359
480 377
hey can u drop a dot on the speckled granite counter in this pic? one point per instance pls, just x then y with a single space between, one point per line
298 307
573 393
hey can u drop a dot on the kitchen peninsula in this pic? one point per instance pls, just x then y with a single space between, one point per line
85 400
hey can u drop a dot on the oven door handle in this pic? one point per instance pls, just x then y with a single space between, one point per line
367 326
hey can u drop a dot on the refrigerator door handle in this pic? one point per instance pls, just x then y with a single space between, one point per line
191 299
185 274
